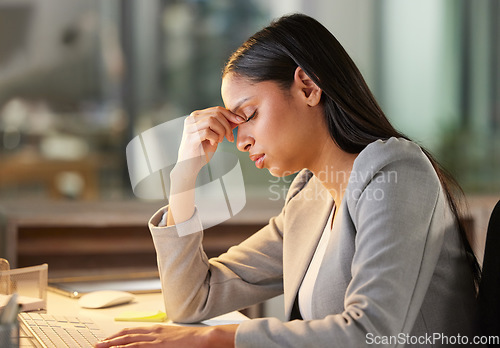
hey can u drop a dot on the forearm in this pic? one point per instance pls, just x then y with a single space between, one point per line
173 336
181 200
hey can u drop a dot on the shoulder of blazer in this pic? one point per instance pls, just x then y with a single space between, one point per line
381 153
383 157
300 181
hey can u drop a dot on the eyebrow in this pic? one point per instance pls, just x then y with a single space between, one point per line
239 105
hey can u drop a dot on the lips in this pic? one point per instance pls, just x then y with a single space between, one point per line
259 160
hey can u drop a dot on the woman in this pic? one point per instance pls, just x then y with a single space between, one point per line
369 247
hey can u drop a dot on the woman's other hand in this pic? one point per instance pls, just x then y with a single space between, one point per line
172 336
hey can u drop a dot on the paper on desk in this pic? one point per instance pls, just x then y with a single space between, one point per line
142 316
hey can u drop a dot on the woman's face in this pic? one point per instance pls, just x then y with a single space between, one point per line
283 132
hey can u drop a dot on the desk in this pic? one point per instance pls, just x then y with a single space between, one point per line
62 305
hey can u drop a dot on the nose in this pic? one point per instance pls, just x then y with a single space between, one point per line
244 140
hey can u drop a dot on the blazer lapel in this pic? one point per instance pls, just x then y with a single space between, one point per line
302 234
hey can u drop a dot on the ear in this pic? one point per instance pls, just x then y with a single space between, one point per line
309 90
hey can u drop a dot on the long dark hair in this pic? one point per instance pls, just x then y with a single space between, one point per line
353 115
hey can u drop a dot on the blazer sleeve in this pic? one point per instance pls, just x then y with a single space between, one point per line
197 288
398 238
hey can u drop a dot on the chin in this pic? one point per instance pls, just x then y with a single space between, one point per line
279 172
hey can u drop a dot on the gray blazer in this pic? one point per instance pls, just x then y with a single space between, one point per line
393 273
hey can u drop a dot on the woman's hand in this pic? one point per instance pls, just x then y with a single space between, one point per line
165 336
203 131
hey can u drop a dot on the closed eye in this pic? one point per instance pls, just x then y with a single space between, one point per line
252 116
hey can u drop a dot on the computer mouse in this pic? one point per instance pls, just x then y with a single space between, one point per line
105 298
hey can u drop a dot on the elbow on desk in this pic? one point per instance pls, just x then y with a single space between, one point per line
186 312
185 317
182 317
194 310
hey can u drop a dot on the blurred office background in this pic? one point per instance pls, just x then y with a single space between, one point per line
79 79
